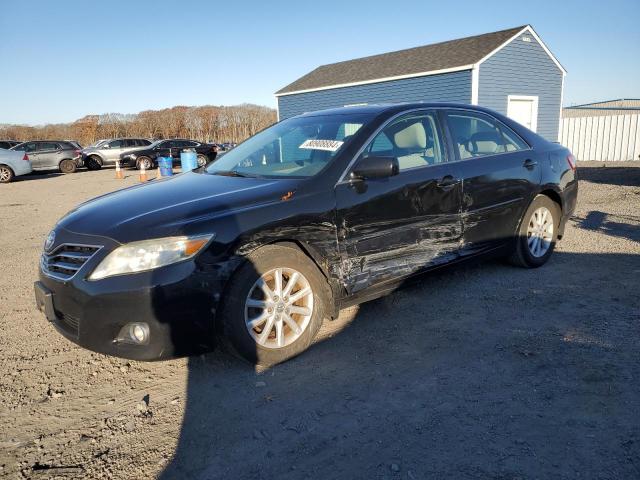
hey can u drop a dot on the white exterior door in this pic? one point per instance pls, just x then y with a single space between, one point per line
524 110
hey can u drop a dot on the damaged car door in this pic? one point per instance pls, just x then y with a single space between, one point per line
391 226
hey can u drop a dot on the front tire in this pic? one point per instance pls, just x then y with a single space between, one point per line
93 163
274 305
202 160
538 233
6 174
68 166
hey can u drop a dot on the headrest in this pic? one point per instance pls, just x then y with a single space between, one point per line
413 136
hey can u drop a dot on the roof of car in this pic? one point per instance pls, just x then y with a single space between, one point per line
427 58
395 107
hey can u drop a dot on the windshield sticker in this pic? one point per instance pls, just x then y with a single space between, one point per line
328 145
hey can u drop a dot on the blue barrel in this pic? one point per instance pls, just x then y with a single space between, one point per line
188 160
165 164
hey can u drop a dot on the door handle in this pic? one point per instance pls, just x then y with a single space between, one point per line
529 164
447 181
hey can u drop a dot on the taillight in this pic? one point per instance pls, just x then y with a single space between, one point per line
571 160
25 157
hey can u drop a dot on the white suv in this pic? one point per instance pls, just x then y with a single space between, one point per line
12 164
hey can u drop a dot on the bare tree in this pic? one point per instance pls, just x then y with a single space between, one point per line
206 123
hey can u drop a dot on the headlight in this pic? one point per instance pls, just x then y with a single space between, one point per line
148 254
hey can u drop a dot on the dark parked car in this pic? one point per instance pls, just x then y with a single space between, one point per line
315 213
7 144
52 154
148 156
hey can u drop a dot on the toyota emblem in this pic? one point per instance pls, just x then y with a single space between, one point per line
51 238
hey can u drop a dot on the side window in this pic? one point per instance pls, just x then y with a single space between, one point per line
46 146
414 139
129 142
479 135
141 142
29 147
116 144
512 140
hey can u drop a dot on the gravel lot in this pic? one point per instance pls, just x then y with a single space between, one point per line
482 371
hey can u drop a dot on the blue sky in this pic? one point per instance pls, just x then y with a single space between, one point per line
63 59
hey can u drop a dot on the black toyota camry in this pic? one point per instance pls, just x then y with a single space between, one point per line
313 214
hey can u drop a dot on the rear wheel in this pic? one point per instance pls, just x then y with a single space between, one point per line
538 233
68 166
202 160
93 163
6 174
274 305
144 161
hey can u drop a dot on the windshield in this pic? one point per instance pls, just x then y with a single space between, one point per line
298 147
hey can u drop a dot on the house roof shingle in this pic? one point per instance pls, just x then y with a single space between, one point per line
428 58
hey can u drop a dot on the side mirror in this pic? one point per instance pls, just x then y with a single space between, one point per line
375 167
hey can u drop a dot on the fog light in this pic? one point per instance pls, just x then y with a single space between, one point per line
136 333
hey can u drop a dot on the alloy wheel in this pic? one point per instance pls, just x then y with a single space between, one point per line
278 308
540 232
5 174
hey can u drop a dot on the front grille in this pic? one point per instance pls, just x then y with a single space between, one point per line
65 261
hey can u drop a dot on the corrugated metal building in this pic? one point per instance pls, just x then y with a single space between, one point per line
603 131
511 71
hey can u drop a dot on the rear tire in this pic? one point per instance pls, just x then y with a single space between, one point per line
202 160
291 315
93 163
148 164
538 233
68 166
6 174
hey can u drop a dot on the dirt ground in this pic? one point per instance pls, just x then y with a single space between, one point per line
482 371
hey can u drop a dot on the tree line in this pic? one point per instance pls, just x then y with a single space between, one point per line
207 123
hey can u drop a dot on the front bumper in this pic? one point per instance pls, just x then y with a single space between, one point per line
176 302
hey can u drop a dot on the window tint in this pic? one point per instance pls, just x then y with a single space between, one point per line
478 135
190 144
141 142
414 139
43 146
116 144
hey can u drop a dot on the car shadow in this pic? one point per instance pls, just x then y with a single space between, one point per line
623 226
465 373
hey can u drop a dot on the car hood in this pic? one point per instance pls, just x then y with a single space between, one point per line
179 205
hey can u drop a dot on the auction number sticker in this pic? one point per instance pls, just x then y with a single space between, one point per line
328 145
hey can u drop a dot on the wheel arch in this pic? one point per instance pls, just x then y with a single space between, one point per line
332 306
553 195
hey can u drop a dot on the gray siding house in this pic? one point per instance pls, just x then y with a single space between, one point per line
511 71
